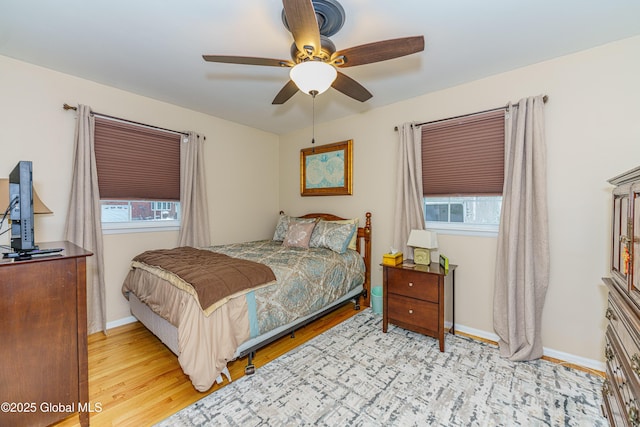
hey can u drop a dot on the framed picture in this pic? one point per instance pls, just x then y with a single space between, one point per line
326 170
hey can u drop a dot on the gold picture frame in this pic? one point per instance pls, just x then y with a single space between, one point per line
326 170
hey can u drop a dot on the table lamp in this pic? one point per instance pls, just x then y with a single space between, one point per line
38 206
422 241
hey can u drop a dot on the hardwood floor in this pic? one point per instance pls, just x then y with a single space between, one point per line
134 380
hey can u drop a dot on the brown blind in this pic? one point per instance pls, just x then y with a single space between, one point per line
464 156
136 162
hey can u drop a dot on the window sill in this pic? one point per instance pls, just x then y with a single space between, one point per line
139 227
463 229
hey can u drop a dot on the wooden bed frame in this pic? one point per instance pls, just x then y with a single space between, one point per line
363 246
167 333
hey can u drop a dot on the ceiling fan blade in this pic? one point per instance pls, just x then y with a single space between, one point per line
379 51
350 87
248 60
285 93
302 21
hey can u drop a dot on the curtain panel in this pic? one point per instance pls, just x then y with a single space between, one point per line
83 226
522 265
409 205
194 224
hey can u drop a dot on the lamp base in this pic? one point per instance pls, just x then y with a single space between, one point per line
421 256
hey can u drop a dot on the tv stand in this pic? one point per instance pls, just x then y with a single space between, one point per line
43 314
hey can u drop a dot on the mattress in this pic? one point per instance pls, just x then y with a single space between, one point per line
307 282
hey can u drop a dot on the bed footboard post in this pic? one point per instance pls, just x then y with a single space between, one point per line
250 369
367 260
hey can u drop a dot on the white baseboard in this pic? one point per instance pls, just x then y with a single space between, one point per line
549 352
121 322
477 333
576 360
560 355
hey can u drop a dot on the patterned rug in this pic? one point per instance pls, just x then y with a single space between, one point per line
354 374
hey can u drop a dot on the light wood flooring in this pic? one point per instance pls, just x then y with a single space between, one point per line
137 381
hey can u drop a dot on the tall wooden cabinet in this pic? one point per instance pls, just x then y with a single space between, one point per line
43 338
621 390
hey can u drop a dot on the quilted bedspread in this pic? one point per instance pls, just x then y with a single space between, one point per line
306 280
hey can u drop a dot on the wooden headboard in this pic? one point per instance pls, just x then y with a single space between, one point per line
363 245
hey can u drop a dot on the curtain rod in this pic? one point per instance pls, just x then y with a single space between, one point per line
544 99
106 116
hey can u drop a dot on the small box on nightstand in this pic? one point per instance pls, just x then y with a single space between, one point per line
392 259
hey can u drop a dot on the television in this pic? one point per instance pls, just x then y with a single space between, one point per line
21 207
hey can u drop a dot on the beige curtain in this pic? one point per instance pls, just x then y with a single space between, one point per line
409 210
522 266
194 229
83 226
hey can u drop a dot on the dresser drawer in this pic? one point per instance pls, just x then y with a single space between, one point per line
615 413
413 284
623 384
417 313
624 328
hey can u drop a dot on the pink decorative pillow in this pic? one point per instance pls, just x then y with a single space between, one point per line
298 235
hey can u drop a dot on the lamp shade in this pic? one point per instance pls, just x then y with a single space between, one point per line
422 242
313 76
423 239
38 206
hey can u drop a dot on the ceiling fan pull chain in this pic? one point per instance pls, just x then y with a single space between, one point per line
313 94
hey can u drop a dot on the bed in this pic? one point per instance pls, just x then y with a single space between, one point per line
309 279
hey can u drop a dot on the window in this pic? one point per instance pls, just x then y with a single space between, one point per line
443 209
463 172
463 213
138 175
138 210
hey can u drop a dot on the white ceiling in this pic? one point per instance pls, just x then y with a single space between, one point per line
154 47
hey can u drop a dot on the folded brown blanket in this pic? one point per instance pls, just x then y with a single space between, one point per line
214 277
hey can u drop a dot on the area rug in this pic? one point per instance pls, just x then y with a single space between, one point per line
354 374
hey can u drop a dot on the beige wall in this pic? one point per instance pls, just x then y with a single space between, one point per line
593 133
33 126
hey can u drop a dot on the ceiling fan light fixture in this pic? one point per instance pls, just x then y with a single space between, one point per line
313 76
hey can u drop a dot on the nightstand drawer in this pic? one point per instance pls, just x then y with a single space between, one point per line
421 314
413 284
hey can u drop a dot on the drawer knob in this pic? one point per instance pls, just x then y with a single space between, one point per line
608 353
609 314
634 416
635 363
410 284
410 311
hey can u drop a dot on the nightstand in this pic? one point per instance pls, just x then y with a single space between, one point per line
419 298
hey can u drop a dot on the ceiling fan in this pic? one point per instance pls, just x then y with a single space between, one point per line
313 54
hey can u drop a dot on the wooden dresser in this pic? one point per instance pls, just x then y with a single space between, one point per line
43 331
420 299
621 390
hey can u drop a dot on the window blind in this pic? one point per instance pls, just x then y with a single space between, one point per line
136 162
464 156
